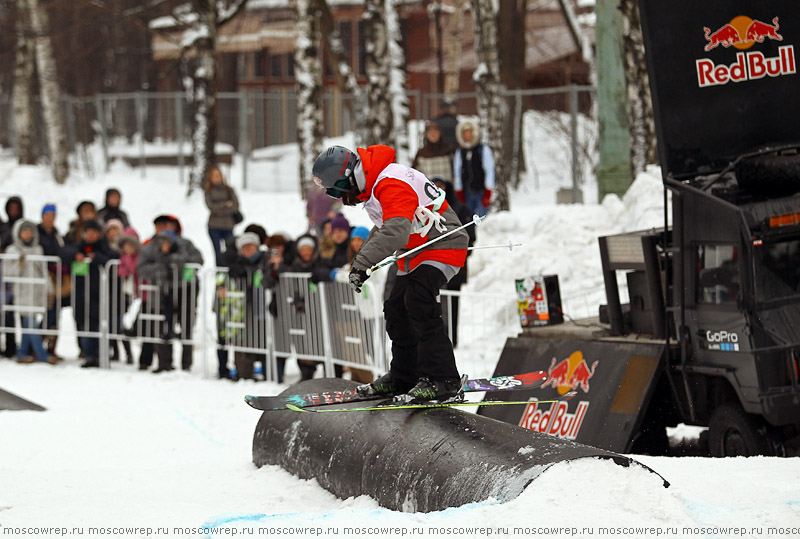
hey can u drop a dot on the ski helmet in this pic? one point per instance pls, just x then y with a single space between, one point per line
335 171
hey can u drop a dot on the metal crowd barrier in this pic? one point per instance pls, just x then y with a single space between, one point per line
323 322
153 312
27 289
326 322
244 324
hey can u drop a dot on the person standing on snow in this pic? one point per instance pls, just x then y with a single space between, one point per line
408 210
473 169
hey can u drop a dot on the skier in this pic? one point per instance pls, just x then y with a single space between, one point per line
408 210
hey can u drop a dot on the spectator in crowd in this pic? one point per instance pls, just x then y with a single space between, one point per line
129 247
112 210
473 169
447 122
247 272
277 250
230 253
168 253
319 208
326 228
223 203
52 243
147 328
33 294
435 158
450 304
113 229
14 211
86 212
306 251
86 260
333 250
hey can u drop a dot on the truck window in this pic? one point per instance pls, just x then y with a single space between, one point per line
717 274
777 269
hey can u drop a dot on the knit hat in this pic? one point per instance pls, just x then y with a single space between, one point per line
92 224
359 232
306 241
340 223
48 207
113 223
276 240
248 238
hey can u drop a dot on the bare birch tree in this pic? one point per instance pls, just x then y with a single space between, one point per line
23 86
340 67
55 123
308 73
397 82
454 44
640 105
201 25
380 121
491 106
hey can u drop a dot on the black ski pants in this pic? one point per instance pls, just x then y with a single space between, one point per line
420 346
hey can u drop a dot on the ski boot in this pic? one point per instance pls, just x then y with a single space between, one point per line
441 391
383 385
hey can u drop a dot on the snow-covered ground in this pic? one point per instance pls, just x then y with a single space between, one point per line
125 449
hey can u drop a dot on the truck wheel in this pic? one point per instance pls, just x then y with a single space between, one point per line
772 174
733 433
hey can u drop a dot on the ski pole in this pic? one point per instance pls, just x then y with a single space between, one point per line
509 245
476 220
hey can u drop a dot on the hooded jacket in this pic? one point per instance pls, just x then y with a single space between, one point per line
392 194
28 294
108 212
473 163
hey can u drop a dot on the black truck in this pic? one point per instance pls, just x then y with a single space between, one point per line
711 334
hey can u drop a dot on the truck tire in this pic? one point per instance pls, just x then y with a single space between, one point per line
733 433
770 174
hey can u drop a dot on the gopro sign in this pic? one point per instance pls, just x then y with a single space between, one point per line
725 341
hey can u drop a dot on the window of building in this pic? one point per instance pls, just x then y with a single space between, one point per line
361 49
275 68
290 64
346 35
717 274
258 64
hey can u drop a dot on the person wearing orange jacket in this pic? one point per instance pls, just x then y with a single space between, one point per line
408 211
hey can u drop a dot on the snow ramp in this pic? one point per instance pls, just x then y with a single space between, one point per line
9 401
411 460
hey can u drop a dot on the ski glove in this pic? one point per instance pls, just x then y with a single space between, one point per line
487 198
357 278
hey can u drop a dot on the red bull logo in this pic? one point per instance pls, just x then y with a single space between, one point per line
742 33
555 420
570 373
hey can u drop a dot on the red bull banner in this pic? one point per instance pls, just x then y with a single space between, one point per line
723 78
614 380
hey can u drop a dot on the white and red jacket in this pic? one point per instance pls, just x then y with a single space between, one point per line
408 210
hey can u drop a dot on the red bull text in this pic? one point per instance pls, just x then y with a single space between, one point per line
742 33
555 420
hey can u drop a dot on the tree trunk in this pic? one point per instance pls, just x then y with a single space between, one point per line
397 83
308 73
640 105
202 93
511 53
380 122
342 72
55 123
455 29
491 107
23 79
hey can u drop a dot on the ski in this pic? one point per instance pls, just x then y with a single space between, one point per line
528 380
390 406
